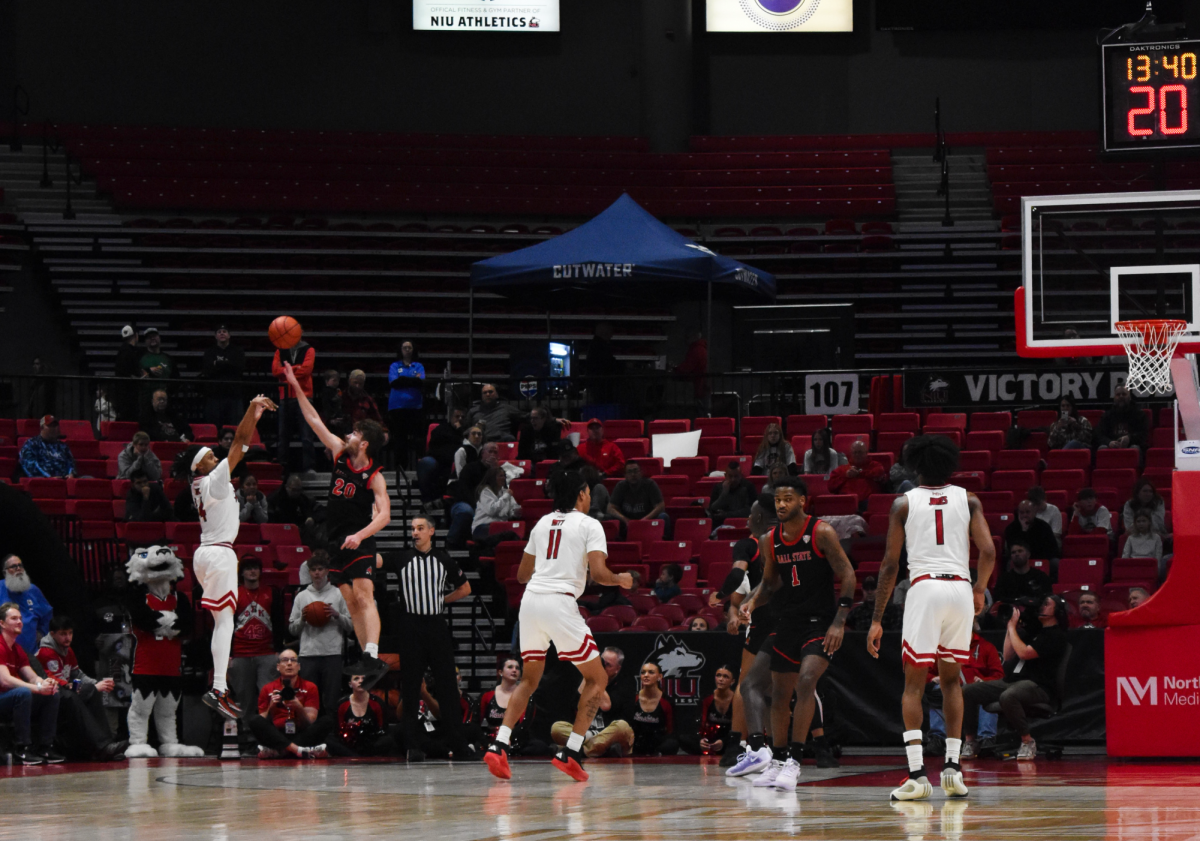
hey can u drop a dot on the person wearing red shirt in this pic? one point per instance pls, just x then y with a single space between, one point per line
985 664
604 455
1090 618
861 477
257 632
288 720
303 358
24 697
360 725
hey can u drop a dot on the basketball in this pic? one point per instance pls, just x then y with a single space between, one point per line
284 332
316 614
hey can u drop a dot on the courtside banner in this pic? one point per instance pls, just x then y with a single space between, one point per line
933 388
780 16
1152 683
493 16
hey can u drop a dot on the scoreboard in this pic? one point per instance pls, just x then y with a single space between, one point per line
1149 93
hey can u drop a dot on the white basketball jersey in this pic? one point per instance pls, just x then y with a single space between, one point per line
217 505
938 532
560 544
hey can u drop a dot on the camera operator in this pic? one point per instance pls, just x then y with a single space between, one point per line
288 720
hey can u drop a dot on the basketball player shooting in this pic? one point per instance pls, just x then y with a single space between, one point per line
358 508
801 559
934 522
215 564
564 546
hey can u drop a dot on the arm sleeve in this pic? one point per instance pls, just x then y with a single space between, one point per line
837 479
733 583
295 621
343 613
594 539
218 481
454 573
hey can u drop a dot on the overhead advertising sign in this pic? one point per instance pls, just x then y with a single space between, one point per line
490 16
780 15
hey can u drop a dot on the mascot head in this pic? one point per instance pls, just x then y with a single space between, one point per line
154 565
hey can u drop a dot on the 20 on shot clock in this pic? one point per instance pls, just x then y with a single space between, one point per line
1150 95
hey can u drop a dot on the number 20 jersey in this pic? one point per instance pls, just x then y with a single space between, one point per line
350 499
937 532
560 543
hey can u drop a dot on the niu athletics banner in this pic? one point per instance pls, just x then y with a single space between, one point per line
930 388
494 16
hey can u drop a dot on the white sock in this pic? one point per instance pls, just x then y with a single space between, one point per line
371 649
575 742
953 746
503 734
222 642
916 754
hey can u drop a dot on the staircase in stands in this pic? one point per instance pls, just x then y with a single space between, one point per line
917 178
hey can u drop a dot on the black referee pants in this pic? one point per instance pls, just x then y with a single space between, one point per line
428 645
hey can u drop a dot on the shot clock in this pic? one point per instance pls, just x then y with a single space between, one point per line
1151 95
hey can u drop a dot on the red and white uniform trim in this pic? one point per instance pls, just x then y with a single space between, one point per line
554 618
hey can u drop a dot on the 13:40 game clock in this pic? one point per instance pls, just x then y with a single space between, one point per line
1150 92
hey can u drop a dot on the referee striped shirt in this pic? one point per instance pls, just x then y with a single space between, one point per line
425 578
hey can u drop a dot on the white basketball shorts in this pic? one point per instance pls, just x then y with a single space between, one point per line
216 570
938 618
555 618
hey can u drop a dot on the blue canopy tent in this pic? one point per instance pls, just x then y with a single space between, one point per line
623 253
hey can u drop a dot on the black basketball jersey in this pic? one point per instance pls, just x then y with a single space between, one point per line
350 498
805 577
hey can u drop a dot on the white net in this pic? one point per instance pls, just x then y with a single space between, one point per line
1150 346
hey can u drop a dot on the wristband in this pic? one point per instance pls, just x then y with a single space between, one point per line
845 601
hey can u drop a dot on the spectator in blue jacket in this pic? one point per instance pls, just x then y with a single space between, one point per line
35 610
406 402
46 455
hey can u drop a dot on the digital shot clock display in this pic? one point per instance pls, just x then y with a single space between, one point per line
1151 92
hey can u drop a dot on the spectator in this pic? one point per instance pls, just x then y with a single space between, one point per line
1145 498
161 422
821 457
602 454
635 497
360 725
288 719
321 620
861 476
1137 595
433 470
224 362
716 717
303 359
1031 658
1123 426
104 409
539 436
156 363
609 730
775 475
652 720
137 455
1090 515
601 369
1020 580
406 403
600 496
1071 431
290 504
494 503
494 703
499 421
1037 535
1142 541
698 623
25 698
331 406
1090 617
252 505
860 616
462 509
568 460
81 703
47 456
360 405
614 595
258 632
774 450
146 502
666 587
1047 512
983 664
695 364
129 366
734 497
27 596
469 449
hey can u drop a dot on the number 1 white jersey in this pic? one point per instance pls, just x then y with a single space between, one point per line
560 544
937 532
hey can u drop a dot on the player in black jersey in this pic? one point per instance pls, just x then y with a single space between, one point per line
358 508
801 559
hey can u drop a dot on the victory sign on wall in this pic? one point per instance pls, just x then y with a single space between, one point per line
780 15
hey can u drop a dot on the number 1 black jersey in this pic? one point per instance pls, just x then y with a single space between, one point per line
806 579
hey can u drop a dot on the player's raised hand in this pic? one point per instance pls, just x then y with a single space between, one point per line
266 402
290 375
874 637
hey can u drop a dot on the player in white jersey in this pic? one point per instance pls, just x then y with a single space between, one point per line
564 546
936 523
215 564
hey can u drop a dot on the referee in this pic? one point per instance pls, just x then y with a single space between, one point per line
425 576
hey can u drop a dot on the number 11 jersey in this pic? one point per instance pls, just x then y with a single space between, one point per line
937 532
560 544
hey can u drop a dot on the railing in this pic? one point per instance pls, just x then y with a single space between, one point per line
20 109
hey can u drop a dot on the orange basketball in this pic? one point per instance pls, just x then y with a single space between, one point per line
284 332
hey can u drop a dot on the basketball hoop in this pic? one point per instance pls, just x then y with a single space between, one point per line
1150 345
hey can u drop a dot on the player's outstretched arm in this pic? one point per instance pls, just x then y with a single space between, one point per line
383 514
888 571
981 535
827 541
604 576
312 416
245 430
